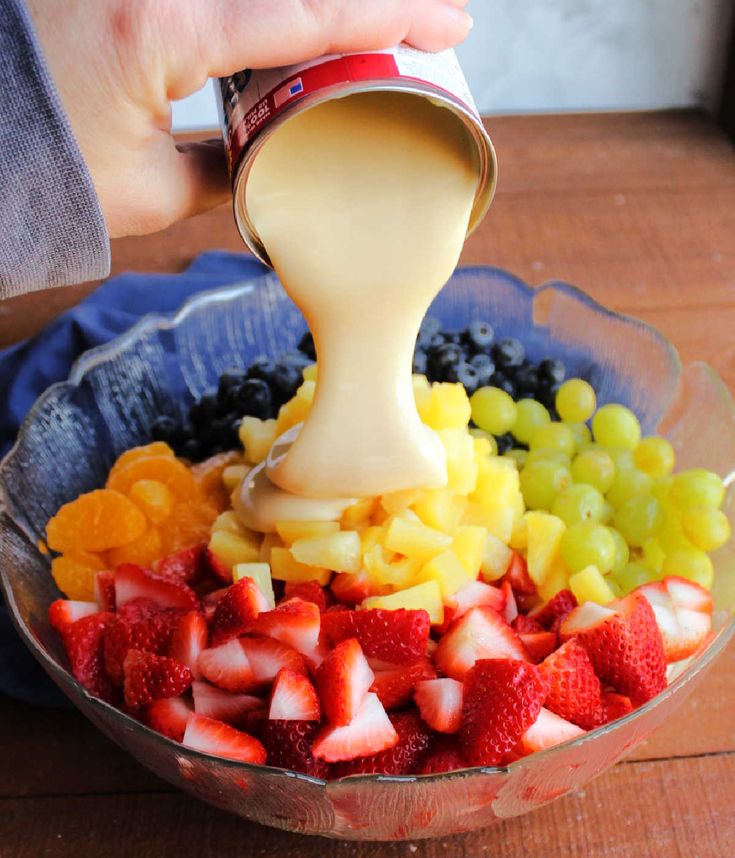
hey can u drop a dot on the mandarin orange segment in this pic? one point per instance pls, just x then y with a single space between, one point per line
95 521
143 551
154 498
189 524
165 469
208 476
74 574
156 448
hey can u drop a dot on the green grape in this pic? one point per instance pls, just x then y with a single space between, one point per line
530 416
697 488
607 513
662 488
622 459
541 482
672 536
631 576
581 432
519 456
708 529
639 518
548 454
576 400
655 456
653 555
554 436
595 468
588 544
690 563
481 433
493 410
627 484
616 426
622 553
579 502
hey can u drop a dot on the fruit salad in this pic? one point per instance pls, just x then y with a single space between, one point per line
544 592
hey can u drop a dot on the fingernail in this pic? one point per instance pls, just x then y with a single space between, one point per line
460 17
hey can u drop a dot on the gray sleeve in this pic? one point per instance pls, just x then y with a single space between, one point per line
52 232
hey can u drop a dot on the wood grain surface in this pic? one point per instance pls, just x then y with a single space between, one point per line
638 210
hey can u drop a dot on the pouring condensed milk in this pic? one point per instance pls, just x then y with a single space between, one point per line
361 201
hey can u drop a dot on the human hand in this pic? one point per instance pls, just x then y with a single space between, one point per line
117 65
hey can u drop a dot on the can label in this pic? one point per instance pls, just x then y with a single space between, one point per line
250 100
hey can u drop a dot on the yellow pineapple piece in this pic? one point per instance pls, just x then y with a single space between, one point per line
233 475
371 536
497 483
257 437
285 568
398 501
462 469
261 574
482 445
306 391
589 585
557 579
496 520
230 521
231 548
447 407
448 571
290 531
543 544
270 541
340 552
383 569
291 413
415 539
359 514
496 558
441 509
426 596
519 534
310 372
420 382
154 498
469 546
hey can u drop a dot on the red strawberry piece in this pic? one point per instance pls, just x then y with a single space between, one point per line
219 739
400 759
369 732
539 644
210 602
288 744
395 685
683 611
228 667
216 567
526 625
168 716
236 611
309 591
510 610
190 637
343 680
440 703
351 588
83 644
444 755
295 623
624 644
502 699
555 609
64 612
293 698
151 677
186 566
612 707
135 582
518 578
142 625
222 705
473 594
574 689
545 732
480 634
104 590
267 657
397 636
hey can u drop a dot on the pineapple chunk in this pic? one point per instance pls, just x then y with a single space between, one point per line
589 585
496 559
483 445
398 501
441 509
306 391
544 540
384 570
293 412
497 483
290 531
230 521
340 552
257 437
519 534
469 546
231 548
233 475
448 571
420 382
415 539
285 568
270 541
310 372
371 536
359 514
497 520
462 469
426 596
448 407
261 574
557 579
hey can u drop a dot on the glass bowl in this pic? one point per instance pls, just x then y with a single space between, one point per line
78 428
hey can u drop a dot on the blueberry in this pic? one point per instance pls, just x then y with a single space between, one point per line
296 359
552 371
286 380
453 337
526 380
429 327
466 375
192 449
254 398
165 428
504 383
437 340
479 336
420 362
262 368
485 368
443 360
546 395
206 409
505 443
306 345
508 352
229 379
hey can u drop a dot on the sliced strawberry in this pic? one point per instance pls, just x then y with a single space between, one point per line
502 699
369 732
351 588
288 744
612 707
526 625
539 644
343 680
510 609
228 667
397 636
64 612
624 644
219 739
444 755
236 611
151 677
400 759
309 591
219 570
473 594
222 705
683 611
293 698
168 716
555 609
574 689
83 642
185 566
190 637
518 578
210 602
268 656
295 623
440 703
135 582
395 685
545 732
104 590
480 634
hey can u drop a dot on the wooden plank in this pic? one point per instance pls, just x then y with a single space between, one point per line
635 809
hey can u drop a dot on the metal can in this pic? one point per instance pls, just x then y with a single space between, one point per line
254 104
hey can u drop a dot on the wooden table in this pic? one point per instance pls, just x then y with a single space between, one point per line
639 210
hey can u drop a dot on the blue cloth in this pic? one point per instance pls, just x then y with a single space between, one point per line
28 368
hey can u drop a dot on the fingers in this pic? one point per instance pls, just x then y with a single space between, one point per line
448 25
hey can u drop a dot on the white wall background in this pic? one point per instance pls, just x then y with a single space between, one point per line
556 55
